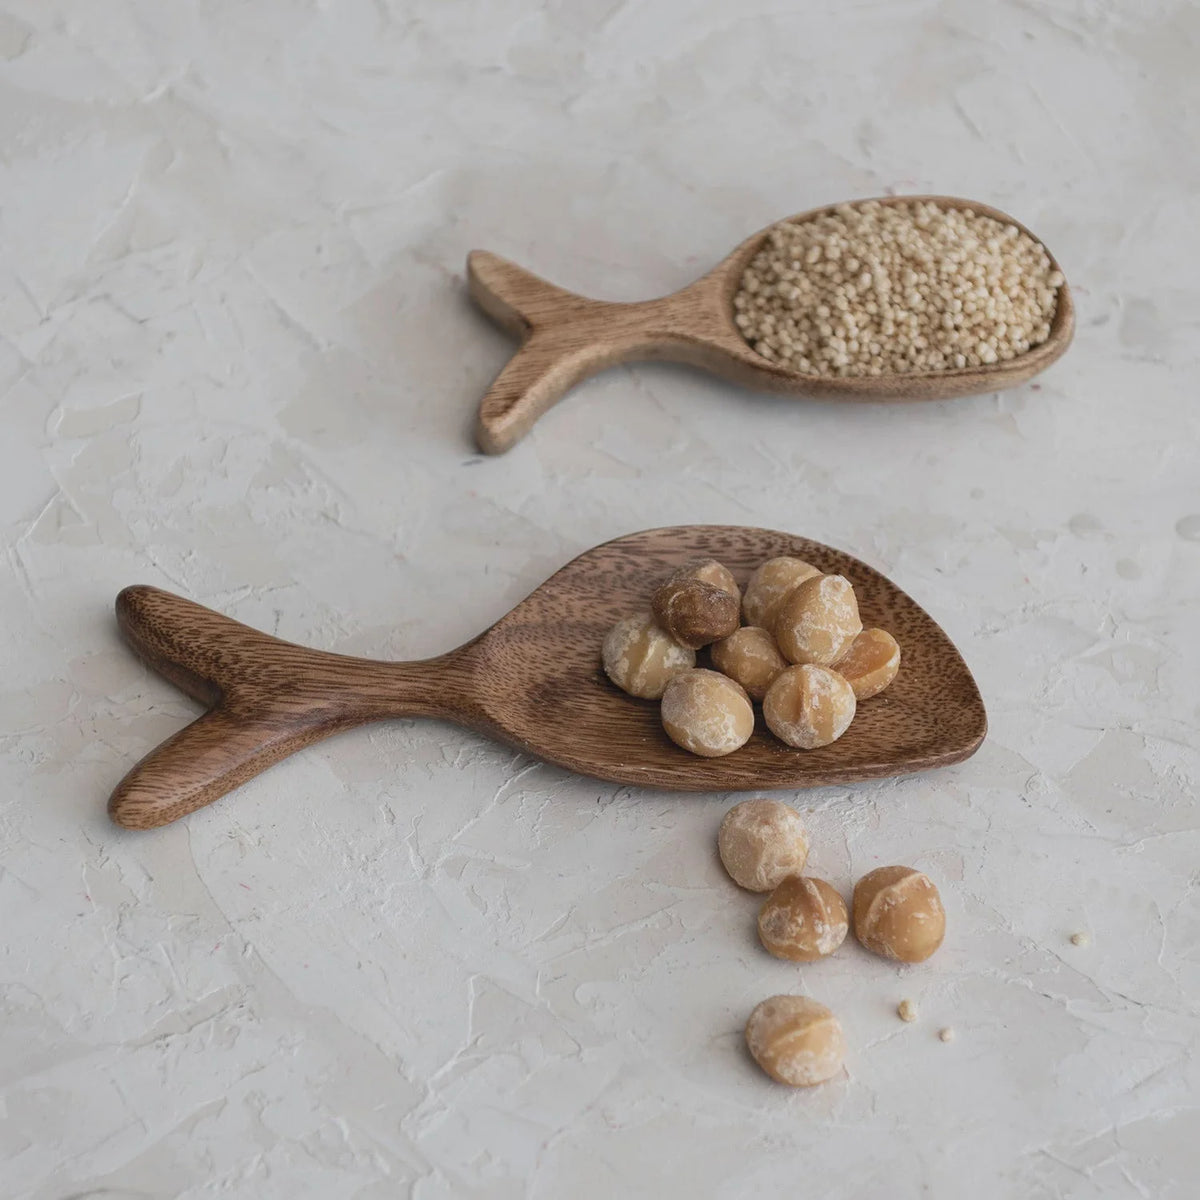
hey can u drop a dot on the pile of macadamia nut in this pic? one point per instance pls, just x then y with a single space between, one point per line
896 912
802 652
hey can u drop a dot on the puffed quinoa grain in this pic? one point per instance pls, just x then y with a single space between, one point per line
882 289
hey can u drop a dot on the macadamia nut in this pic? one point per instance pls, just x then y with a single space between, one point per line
870 664
898 914
803 919
708 570
641 658
706 713
795 1040
818 621
770 585
695 613
761 843
809 706
798 616
750 657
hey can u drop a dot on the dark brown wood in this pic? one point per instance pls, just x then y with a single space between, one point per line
533 680
566 338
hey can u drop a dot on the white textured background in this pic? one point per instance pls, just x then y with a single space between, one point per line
236 360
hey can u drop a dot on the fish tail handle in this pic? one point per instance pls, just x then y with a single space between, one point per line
565 338
266 699
245 678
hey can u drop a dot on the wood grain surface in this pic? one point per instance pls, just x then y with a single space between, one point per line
533 680
566 337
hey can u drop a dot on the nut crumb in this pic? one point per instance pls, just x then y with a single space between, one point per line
947 1034
906 1010
1081 939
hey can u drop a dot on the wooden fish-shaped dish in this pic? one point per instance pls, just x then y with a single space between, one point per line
565 338
533 680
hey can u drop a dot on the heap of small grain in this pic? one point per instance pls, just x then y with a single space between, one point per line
881 289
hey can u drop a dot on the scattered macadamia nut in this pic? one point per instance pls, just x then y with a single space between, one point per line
1081 939
708 570
695 613
906 1010
750 657
809 706
641 658
898 914
947 1034
803 919
707 713
795 1040
762 842
769 587
870 664
818 621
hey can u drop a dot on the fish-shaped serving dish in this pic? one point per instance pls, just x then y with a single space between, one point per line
566 337
533 680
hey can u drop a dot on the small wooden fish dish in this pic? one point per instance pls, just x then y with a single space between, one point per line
565 338
532 680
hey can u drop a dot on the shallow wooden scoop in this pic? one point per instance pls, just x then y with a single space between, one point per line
534 680
565 338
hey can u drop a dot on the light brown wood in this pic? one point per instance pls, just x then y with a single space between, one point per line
533 680
565 338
